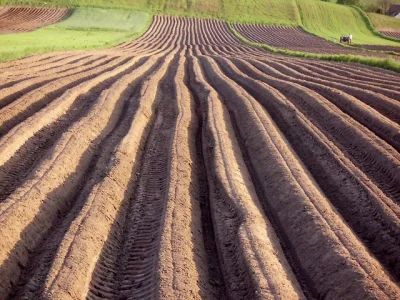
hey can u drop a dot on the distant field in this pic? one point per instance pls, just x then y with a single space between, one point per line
104 19
330 21
372 4
327 20
282 12
384 22
80 31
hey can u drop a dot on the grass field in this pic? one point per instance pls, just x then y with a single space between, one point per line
82 30
330 20
325 19
283 12
384 22
89 28
104 19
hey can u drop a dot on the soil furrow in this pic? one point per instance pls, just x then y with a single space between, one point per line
373 156
347 188
12 93
32 102
325 233
346 80
184 268
250 271
64 65
341 97
34 280
24 160
57 179
11 142
186 164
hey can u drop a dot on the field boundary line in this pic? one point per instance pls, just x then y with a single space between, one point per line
384 63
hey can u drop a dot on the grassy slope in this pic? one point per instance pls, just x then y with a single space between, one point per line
104 19
80 31
262 11
321 18
389 64
330 20
384 22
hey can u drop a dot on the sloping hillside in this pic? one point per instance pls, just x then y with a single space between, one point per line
330 21
282 12
82 30
382 22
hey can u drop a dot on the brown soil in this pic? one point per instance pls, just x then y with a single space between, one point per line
20 19
187 165
296 39
395 34
382 48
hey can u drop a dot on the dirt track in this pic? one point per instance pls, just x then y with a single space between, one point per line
296 39
20 19
186 165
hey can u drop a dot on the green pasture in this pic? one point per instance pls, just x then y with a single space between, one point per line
85 28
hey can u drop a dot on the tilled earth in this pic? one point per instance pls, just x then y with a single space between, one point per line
296 39
395 34
186 165
20 19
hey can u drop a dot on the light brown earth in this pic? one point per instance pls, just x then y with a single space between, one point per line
186 165
392 33
296 39
20 19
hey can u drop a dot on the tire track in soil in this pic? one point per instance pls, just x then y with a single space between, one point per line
8 95
183 267
104 210
208 230
359 262
358 107
58 180
32 102
103 283
18 167
31 284
346 187
379 162
146 212
256 146
242 231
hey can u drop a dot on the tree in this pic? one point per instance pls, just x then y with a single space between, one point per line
384 5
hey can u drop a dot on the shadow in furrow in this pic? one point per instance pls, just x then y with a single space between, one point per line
353 200
11 83
15 95
25 77
213 263
32 279
35 107
145 218
225 217
288 248
127 265
15 171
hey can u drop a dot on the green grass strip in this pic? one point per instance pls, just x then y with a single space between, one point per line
58 38
384 63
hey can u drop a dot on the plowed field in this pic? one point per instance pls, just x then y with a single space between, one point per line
395 34
186 165
19 19
296 39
